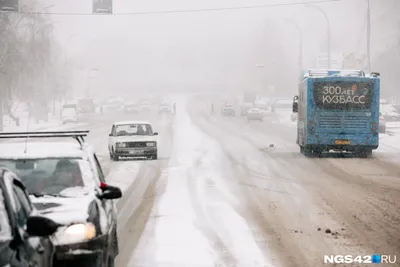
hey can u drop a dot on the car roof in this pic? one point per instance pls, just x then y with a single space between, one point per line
41 150
130 122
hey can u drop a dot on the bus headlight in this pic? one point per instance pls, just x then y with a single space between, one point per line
121 145
76 233
151 144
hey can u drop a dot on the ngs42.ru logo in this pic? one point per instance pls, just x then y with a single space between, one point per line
360 259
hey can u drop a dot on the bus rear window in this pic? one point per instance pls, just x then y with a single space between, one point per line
343 95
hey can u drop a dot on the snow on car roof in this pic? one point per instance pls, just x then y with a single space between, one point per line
130 122
41 150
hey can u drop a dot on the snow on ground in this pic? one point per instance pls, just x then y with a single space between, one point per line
28 125
177 241
180 236
230 226
123 175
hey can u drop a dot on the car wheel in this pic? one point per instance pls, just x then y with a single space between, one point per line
111 261
115 157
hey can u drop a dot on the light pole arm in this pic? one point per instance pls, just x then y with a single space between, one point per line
300 43
328 24
66 46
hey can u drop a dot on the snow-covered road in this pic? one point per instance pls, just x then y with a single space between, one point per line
220 196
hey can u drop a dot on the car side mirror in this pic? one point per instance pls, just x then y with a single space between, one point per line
155 133
110 134
111 192
41 226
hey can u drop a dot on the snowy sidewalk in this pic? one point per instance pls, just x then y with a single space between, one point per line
29 125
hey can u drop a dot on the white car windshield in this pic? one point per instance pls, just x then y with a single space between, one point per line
133 129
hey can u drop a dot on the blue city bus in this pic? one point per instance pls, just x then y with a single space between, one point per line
338 110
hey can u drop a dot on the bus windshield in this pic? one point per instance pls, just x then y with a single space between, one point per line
343 95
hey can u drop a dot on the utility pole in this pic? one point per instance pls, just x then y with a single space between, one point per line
369 36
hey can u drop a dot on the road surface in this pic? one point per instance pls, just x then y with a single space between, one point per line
221 196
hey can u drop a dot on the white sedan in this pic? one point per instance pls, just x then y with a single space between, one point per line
132 139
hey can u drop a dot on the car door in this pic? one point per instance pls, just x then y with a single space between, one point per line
29 250
107 203
110 210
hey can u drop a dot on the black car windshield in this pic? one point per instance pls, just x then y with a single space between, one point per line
46 176
133 129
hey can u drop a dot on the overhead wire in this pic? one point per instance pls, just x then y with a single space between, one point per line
183 10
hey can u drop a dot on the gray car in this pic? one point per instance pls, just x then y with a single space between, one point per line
255 114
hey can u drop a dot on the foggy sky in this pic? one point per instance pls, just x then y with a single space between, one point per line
218 47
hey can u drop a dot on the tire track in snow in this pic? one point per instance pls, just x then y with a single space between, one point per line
350 212
287 238
224 256
141 198
131 234
266 227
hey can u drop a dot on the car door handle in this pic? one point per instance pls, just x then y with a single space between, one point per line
40 249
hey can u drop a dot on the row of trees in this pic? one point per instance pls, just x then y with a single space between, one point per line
31 69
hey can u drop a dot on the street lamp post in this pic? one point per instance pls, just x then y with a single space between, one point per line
328 31
300 43
66 46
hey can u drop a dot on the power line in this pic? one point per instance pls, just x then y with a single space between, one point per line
185 10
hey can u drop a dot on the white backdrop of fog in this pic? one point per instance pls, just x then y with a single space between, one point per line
208 50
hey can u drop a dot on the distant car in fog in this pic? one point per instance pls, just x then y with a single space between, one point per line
228 110
86 105
255 114
389 112
145 107
130 108
113 105
245 108
69 114
165 108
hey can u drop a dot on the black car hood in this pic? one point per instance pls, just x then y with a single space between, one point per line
64 210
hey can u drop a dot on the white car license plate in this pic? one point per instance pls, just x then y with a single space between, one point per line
135 152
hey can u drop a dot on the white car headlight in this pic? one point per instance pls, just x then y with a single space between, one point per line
151 144
75 233
121 144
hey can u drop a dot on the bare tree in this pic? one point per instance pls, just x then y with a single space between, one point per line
28 62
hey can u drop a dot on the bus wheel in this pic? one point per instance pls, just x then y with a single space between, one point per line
306 151
365 153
